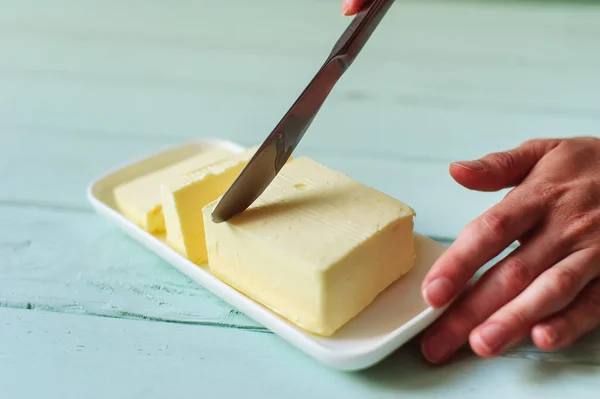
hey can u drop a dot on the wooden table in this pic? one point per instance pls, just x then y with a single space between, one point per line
86 86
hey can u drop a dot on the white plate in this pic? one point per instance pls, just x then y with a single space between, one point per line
395 317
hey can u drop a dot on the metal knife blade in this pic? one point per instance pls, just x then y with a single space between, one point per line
272 155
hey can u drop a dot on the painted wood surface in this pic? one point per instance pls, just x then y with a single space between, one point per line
71 356
86 86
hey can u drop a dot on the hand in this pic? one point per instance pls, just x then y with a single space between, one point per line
548 287
351 7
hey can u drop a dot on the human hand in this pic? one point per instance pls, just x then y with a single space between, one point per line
548 287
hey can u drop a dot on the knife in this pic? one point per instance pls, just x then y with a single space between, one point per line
281 142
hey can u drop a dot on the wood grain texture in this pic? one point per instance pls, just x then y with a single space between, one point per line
70 356
74 262
86 86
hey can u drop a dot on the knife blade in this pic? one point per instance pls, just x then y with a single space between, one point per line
274 152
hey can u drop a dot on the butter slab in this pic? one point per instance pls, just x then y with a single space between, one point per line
184 196
139 199
316 247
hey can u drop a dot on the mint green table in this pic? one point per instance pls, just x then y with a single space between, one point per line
86 86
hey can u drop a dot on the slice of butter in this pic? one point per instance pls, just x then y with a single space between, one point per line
316 247
139 199
183 198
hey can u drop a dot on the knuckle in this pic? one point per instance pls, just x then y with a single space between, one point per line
566 328
530 142
496 224
570 146
513 194
580 150
504 160
466 317
541 146
581 225
515 273
548 193
585 190
516 319
460 321
565 281
533 143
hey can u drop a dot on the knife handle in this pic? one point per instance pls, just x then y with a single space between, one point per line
358 32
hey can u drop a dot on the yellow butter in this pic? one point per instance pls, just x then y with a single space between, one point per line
139 199
184 196
317 247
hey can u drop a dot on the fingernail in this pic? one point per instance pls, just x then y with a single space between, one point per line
345 7
437 346
474 166
549 334
438 292
492 337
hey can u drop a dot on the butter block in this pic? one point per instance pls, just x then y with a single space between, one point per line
316 247
184 196
139 199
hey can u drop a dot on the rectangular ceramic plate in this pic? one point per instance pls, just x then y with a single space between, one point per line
396 316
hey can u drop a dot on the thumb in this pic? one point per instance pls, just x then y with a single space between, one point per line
504 169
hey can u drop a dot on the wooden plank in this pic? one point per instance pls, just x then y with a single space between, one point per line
74 262
71 356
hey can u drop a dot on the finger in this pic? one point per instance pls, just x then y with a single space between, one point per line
494 289
478 243
549 293
352 7
500 170
564 328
